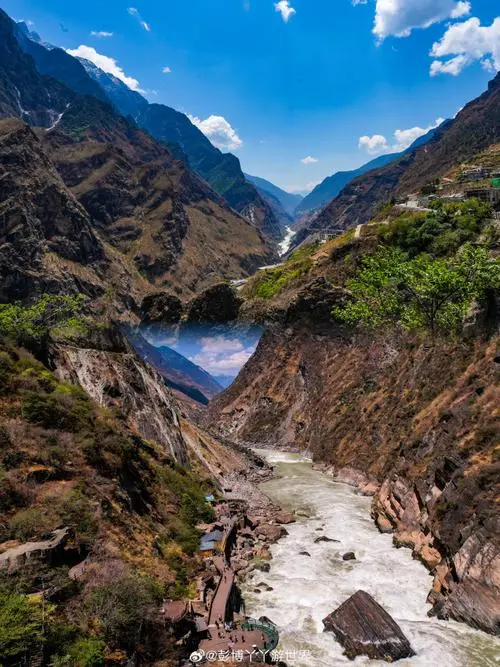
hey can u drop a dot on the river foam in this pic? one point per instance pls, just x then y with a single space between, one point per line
306 589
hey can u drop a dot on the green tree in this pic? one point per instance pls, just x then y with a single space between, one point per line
419 293
20 626
59 315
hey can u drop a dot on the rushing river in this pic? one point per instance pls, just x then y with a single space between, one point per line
306 589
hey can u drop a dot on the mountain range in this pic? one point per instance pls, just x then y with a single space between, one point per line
90 199
473 129
331 186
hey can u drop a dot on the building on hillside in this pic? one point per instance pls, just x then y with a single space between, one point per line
490 195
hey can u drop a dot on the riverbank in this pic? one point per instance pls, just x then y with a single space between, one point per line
308 578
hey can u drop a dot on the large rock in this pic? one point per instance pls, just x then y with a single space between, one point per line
216 305
161 307
363 627
45 550
271 532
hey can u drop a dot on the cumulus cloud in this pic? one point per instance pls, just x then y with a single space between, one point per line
400 17
222 365
133 11
102 34
464 43
378 144
219 131
220 344
166 70
106 63
285 9
309 160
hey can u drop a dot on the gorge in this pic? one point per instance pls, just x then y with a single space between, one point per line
208 400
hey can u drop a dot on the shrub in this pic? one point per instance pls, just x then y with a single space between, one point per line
26 524
123 608
65 412
50 314
87 652
20 627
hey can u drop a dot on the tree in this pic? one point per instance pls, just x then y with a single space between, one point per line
50 314
419 293
20 626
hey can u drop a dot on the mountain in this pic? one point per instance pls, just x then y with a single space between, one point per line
288 201
178 372
473 129
332 185
221 170
90 199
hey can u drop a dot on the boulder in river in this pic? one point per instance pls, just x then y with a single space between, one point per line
363 627
350 555
324 538
304 553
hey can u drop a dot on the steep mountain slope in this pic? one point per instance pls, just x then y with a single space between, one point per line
287 200
332 185
409 417
161 223
474 128
221 170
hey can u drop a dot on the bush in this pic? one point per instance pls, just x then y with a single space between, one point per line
87 652
123 608
26 524
20 627
441 232
50 314
62 411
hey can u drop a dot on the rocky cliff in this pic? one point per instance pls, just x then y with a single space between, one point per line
413 421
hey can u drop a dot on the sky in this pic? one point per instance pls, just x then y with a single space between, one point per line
297 89
222 353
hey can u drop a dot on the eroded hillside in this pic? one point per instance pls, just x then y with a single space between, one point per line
413 419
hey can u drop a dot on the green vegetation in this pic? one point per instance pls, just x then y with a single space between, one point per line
268 283
440 232
20 627
59 315
122 608
421 292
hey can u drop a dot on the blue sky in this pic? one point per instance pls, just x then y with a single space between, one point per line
291 79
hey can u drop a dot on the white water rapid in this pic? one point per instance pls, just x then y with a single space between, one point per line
284 245
306 589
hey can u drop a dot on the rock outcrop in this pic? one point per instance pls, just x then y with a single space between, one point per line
414 425
363 627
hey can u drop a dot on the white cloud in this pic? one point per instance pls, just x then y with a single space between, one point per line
285 9
464 43
309 160
374 145
166 70
378 144
135 13
227 364
105 63
400 17
219 131
220 344
101 34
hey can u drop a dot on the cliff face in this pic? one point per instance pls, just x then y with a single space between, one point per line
419 421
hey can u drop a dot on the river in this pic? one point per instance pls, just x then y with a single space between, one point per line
306 589
284 245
